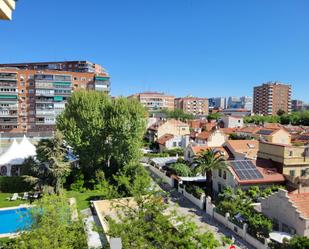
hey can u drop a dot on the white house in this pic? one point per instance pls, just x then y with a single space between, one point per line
289 212
232 122
170 141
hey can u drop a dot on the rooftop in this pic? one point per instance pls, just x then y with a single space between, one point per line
162 140
301 201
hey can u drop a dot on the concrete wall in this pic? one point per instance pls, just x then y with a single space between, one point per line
232 122
287 213
162 175
198 202
241 231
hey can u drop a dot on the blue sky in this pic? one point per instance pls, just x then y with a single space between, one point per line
199 47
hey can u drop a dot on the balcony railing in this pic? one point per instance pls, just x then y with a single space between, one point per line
45 112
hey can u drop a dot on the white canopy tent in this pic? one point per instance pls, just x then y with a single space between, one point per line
15 155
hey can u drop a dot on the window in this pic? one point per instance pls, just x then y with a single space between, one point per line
183 129
292 172
224 174
22 83
174 144
31 84
303 172
220 172
290 153
22 91
219 187
31 91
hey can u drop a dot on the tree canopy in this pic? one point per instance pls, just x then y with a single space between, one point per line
150 225
295 118
106 133
50 168
51 227
178 114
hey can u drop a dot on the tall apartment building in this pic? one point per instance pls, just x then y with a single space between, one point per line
155 101
70 66
6 9
271 97
30 100
192 105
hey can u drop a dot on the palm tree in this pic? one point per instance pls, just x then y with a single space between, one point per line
206 162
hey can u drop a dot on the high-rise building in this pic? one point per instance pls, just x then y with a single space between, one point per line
6 9
30 100
70 66
271 97
155 101
234 102
246 102
192 105
218 102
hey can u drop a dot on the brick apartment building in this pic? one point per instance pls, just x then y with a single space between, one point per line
31 99
155 101
271 97
192 105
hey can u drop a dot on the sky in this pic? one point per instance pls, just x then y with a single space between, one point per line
181 47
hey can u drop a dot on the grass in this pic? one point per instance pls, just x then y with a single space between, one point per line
6 203
83 199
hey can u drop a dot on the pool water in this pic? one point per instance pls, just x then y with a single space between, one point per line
14 220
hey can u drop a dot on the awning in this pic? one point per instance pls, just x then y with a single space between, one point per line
279 236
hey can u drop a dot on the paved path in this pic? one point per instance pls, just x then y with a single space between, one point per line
205 223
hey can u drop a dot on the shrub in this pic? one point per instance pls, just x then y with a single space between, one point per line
194 190
13 184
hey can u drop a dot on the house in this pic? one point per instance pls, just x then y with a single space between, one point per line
245 173
193 150
213 138
289 160
278 136
243 149
232 122
170 141
171 126
289 212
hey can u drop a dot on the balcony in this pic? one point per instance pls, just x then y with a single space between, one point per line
8 84
9 107
40 100
6 113
8 122
8 98
45 122
42 112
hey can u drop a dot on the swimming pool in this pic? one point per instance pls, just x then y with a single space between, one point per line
14 220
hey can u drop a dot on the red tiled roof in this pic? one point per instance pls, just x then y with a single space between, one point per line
250 129
301 202
228 131
162 140
200 148
204 135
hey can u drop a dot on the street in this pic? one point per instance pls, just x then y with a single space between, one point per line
205 223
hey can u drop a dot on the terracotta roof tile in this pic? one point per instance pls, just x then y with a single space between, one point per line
301 201
250 129
204 135
162 140
248 147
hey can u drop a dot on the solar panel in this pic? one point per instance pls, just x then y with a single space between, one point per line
246 170
265 132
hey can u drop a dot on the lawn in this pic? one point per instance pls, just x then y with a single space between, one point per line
83 199
6 203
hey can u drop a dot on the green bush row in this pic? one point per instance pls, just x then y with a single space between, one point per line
13 184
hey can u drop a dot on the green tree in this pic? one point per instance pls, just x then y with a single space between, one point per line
52 227
214 116
106 133
297 242
150 225
181 169
206 162
178 114
51 166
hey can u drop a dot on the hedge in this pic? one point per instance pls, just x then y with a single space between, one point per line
13 184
